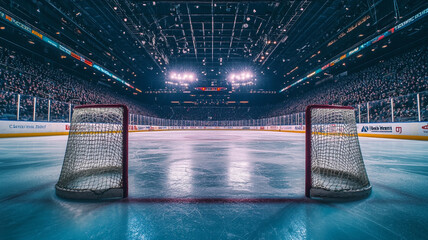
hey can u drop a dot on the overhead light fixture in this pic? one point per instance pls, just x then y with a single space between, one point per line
184 76
241 76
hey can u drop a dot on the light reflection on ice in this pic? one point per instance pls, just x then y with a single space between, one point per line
179 172
239 169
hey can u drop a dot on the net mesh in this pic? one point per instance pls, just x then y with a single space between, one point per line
93 162
337 167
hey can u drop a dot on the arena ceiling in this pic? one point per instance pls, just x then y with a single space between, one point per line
144 40
211 37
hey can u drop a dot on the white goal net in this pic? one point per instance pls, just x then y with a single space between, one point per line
334 163
95 162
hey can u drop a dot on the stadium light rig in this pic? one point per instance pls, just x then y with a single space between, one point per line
182 77
241 78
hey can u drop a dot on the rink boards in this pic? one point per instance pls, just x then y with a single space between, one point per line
409 130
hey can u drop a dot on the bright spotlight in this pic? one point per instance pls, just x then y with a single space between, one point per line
243 76
182 77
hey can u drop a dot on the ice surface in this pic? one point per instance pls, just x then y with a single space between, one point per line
214 185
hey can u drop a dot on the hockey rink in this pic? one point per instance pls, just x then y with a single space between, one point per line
214 185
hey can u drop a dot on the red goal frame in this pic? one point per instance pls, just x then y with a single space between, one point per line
308 148
125 126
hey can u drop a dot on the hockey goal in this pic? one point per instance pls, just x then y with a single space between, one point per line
334 163
96 159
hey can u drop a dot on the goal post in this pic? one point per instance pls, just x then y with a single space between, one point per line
96 159
334 163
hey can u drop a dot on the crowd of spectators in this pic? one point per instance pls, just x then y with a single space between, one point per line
21 74
210 113
400 78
